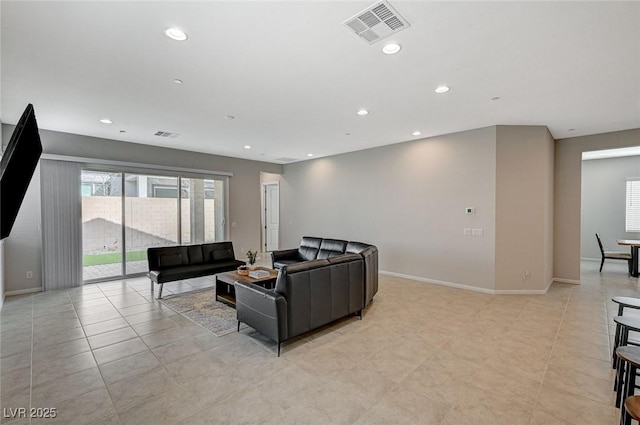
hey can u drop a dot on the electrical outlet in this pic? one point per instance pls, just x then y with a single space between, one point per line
29 275
526 275
467 231
477 232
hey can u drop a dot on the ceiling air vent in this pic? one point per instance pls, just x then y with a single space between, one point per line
166 134
285 159
376 22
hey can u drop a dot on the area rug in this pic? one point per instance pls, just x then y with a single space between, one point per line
201 307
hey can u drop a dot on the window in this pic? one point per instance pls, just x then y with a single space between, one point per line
124 214
633 205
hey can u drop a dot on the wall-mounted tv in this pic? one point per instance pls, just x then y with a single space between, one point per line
18 163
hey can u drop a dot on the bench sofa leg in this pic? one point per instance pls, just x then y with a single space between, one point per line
238 326
160 292
279 348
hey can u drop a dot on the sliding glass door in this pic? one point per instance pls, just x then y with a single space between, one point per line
101 225
125 213
150 217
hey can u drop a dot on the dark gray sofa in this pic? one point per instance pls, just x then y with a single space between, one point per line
312 248
306 296
171 263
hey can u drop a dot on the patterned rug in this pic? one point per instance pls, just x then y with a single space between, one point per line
201 307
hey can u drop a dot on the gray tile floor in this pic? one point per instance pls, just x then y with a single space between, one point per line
423 354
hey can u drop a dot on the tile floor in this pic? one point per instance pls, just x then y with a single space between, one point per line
423 354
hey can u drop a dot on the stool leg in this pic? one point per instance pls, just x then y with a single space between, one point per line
629 381
616 344
620 383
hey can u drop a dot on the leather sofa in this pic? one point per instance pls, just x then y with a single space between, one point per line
171 263
306 295
312 248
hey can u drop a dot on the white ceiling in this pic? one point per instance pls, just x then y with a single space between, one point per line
294 77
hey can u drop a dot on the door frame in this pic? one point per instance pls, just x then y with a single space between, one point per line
263 212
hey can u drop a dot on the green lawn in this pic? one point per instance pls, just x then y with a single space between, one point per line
112 258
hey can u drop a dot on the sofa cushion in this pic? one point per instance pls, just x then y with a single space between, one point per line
309 248
331 248
221 254
217 251
282 263
356 247
170 260
186 272
195 254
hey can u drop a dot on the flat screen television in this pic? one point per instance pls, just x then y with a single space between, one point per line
18 163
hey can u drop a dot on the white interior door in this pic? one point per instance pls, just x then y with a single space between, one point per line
272 216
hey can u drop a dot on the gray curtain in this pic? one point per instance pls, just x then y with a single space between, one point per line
61 224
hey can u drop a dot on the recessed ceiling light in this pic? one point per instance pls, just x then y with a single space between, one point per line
106 121
229 117
416 133
309 154
363 112
391 48
178 81
175 34
442 89
247 147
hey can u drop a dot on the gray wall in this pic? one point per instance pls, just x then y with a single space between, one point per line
524 208
23 247
408 199
603 203
567 195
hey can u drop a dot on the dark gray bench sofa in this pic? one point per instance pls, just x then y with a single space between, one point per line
313 248
171 263
306 296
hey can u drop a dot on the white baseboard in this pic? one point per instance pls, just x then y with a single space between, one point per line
469 287
438 282
561 280
23 291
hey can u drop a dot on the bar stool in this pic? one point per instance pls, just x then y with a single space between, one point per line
623 302
624 324
628 362
632 409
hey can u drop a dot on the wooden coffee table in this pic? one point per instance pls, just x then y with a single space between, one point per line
225 290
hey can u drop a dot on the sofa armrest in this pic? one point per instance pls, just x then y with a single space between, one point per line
286 254
262 309
370 256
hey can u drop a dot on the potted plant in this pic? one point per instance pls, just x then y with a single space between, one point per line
252 256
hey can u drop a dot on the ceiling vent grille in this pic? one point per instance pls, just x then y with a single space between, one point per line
166 134
376 22
285 159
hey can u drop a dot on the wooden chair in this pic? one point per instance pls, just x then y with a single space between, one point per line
631 410
613 255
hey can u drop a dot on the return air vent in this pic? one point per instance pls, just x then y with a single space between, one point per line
166 134
285 159
376 22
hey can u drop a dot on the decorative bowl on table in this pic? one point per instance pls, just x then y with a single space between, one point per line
243 270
